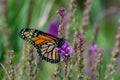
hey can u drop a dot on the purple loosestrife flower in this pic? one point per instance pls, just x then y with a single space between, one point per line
61 12
94 54
65 50
93 57
53 27
93 48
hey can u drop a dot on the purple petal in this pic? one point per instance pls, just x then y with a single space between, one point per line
93 48
65 50
61 12
53 27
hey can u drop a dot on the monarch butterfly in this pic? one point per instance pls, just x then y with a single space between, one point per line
45 43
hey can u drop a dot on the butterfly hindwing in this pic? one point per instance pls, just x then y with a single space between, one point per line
49 53
45 43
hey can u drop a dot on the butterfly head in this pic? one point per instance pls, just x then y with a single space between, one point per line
60 42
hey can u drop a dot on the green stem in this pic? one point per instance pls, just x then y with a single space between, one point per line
5 71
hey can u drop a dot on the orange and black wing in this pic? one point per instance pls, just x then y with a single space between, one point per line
45 43
48 52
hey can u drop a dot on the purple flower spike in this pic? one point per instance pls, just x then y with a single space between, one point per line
94 55
65 51
53 27
61 12
93 48
92 58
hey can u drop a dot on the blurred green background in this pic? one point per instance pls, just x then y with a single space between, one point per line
17 14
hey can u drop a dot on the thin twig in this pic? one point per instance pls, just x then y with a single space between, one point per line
5 71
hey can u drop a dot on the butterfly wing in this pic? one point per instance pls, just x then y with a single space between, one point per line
48 52
45 44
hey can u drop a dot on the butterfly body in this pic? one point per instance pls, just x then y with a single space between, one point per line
45 43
